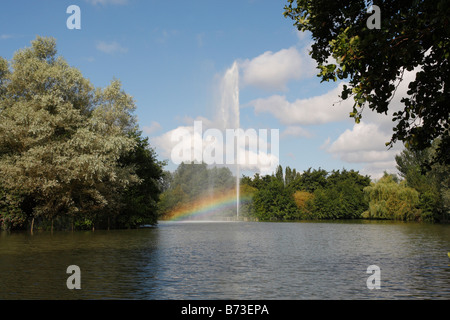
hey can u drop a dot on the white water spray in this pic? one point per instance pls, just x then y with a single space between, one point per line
229 109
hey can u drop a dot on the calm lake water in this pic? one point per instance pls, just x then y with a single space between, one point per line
231 260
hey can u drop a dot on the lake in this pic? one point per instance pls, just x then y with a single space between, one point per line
231 260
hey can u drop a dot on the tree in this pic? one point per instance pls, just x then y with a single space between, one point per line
192 182
60 138
303 200
275 202
391 200
413 35
138 204
246 206
279 174
314 194
289 176
347 190
11 214
341 197
310 180
433 184
220 179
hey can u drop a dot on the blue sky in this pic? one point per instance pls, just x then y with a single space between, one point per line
170 56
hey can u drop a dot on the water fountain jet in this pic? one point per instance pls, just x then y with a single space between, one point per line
229 111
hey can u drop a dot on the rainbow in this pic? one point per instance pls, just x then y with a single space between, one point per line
209 207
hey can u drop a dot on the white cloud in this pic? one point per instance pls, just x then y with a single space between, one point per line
272 71
369 156
362 137
303 35
365 144
212 146
110 47
296 131
329 107
376 169
154 126
5 36
316 110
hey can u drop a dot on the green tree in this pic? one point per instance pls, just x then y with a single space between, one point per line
432 184
11 214
220 179
138 204
279 174
391 200
289 176
314 194
257 181
60 138
303 200
171 199
310 180
341 197
246 208
347 189
275 202
194 181
413 35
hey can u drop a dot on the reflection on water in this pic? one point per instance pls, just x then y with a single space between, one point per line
234 260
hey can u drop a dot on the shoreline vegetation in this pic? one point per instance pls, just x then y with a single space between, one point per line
314 195
72 158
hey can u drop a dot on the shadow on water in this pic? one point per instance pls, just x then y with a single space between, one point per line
112 263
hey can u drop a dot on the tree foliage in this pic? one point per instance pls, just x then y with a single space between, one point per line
303 200
61 139
346 194
192 182
317 194
414 35
391 200
11 215
138 204
313 194
432 184
275 202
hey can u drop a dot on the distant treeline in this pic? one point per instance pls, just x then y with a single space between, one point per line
419 193
192 182
313 194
